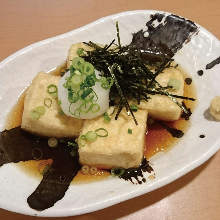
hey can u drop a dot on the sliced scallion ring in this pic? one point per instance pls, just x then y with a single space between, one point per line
85 93
48 102
88 68
134 107
129 131
40 109
78 63
34 115
106 117
106 83
117 171
73 97
76 80
76 113
82 140
80 51
85 107
91 136
72 69
94 108
101 132
52 89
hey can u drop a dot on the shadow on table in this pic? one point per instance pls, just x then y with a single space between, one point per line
135 204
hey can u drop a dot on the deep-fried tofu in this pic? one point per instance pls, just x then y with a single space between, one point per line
119 148
73 52
52 123
160 106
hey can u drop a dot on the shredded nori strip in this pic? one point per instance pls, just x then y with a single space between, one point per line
129 65
213 63
137 173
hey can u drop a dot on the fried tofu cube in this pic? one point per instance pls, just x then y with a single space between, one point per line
51 123
73 52
120 148
160 106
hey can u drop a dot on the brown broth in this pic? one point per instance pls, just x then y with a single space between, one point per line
153 143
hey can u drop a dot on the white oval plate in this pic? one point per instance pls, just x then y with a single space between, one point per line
18 70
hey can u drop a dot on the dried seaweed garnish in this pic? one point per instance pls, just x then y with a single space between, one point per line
173 131
18 145
129 68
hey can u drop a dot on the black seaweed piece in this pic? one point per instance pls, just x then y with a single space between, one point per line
185 115
173 131
18 145
188 81
137 173
200 72
165 39
213 63
55 181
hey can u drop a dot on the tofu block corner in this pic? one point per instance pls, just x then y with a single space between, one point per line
119 148
51 123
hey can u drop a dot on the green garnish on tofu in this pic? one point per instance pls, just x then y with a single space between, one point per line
106 117
129 131
174 83
37 112
48 102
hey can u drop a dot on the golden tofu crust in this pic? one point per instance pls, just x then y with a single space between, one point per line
52 123
160 106
119 148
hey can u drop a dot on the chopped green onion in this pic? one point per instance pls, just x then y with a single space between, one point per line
82 140
72 144
88 68
40 109
129 131
80 51
174 83
48 102
72 69
85 107
117 171
106 117
76 80
91 136
93 170
77 112
54 95
106 83
86 92
73 97
37 112
52 142
52 89
101 132
85 169
134 108
34 115
78 63
94 108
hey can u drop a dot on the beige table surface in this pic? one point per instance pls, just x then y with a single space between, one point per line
23 22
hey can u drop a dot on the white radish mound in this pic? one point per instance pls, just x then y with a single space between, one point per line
102 101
